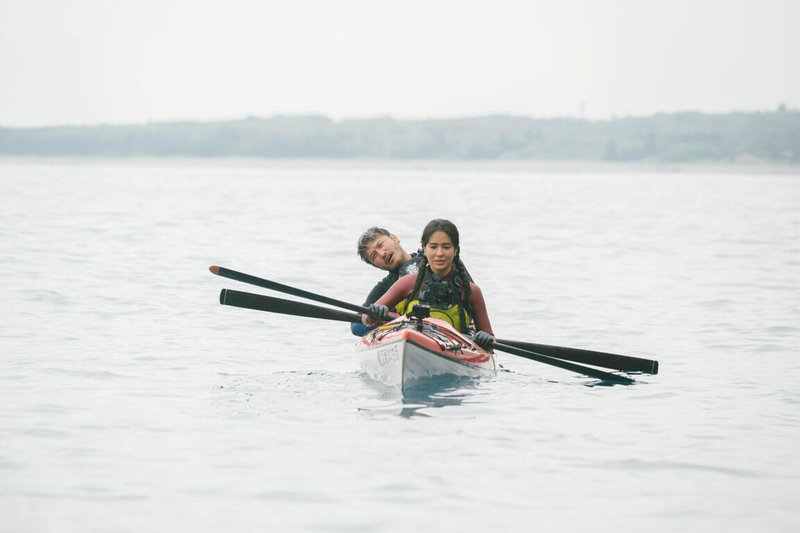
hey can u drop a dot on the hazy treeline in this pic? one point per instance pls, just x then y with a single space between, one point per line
679 137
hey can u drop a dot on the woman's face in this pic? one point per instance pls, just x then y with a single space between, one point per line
440 253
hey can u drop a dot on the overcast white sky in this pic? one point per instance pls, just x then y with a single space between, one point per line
122 61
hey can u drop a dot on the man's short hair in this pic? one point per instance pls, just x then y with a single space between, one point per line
366 238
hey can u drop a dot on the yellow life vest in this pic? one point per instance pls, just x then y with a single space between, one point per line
444 299
452 314
401 307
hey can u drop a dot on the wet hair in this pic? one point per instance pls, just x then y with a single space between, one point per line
461 277
366 239
440 224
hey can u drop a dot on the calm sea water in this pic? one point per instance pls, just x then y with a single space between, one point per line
132 401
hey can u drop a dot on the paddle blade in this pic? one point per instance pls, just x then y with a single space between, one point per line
606 360
580 369
258 302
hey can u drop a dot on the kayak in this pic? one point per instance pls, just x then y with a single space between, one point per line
410 351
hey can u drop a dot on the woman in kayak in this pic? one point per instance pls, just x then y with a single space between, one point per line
443 284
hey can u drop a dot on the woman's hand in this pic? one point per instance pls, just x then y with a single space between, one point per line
377 314
483 339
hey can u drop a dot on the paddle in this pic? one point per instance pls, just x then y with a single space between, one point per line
260 302
580 369
280 287
590 357
248 300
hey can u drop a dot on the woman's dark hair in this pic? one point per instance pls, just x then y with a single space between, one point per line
440 224
461 277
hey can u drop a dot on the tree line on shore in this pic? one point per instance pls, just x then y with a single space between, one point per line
675 137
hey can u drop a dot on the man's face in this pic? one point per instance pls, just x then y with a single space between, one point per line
385 252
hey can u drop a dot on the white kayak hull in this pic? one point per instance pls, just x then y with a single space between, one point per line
403 357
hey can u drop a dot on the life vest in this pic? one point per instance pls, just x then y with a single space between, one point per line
444 299
409 267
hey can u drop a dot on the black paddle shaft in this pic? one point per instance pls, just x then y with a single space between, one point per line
260 302
280 287
625 363
580 369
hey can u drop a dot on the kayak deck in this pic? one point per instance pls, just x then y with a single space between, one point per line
408 352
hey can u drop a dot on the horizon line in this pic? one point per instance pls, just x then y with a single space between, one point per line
781 108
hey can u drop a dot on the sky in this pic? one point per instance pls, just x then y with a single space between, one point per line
122 61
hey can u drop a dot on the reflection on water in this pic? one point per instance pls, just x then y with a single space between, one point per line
419 399
332 393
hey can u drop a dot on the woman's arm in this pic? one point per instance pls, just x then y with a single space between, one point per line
377 291
479 306
401 289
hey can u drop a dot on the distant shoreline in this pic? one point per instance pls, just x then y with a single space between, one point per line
665 139
511 166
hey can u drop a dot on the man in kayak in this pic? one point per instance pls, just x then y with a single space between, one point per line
382 249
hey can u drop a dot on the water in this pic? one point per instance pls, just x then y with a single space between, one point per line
132 401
